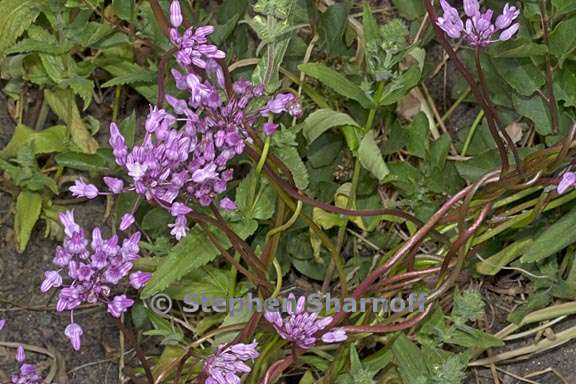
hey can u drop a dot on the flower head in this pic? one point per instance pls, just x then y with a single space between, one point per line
301 327
225 366
478 29
92 266
82 189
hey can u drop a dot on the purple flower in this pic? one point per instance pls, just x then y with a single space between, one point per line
126 222
301 327
119 305
568 181
27 375
227 364
74 332
227 204
92 267
478 29
269 128
81 189
115 185
20 354
52 280
283 102
2 324
179 228
175 14
179 209
139 279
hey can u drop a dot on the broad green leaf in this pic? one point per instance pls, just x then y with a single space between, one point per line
520 47
256 200
15 17
192 252
418 136
143 76
53 139
554 238
322 120
100 161
123 9
124 68
337 82
128 129
535 109
28 208
564 6
520 74
332 26
63 103
565 85
371 157
370 26
409 359
563 39
495 263
291 157
410 9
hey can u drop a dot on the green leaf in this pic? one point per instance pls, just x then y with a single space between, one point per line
81 87
15 17
28 208
563 39
290 156
48 140
564 6
262 205
371 157
535 109
101 161
337 82
123 9
192 252
332 26
143 76
322 120
409 359
128 129
520 74
409 9
63 103
32 45
123 68
520 47
418 136
554 238
565 85
495 263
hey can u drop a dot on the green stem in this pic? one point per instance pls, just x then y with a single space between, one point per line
263 156
472 131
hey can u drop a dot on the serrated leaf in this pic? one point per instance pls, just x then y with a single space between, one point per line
53 139
81 87
322 120
63 103
124 68
554 238
31 45
337 82
15 17
28 208
371 157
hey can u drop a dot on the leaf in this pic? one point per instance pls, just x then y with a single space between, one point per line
564 6
337 82
563 39
371 157
554 238
130 78
192 252
535 109
48 140
332 26
291 157
496 262
81 87
101 161
418 136
28 208
409 359
15 17
123 68
565 85
322 120
32 45
520 47
410 9
63 103
520 74
123 9
128 129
